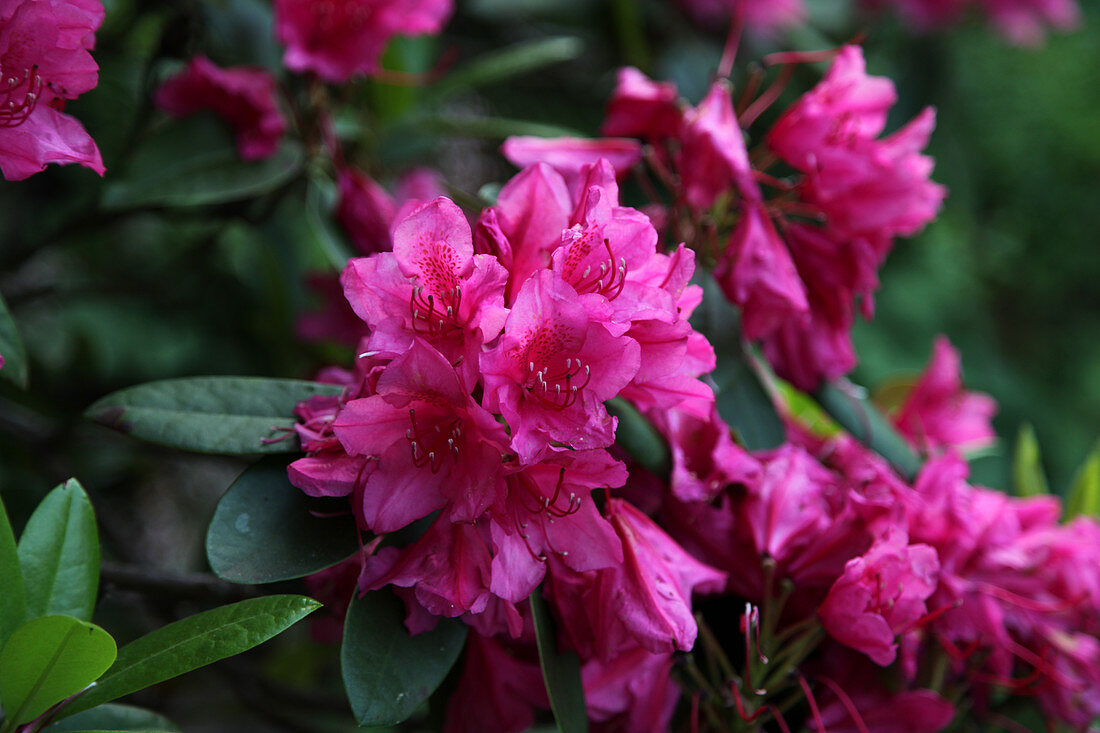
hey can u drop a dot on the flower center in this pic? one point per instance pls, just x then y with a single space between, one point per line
431 444
19 93
605 277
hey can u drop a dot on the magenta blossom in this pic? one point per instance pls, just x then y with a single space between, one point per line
339 39
434 445
880 594
640 107
45 60
632 692
763 15
496 692
367 211
1021 21
243 96
553 369
712 156
939 413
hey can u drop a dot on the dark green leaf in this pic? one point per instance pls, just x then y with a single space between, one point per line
320 200
194 162
262 530
855 413
1084 492
741 398
12 349
49 659
508 63
13 595
59 554
114 717
387 673
560 670
639 438
195 642
1028 478
229 415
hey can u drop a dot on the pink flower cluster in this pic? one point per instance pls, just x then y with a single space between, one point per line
1021 21
45 60
478 397
802 251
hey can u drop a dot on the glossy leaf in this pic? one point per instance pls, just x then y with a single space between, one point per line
194 642
507 63
640 439
229 415
12 349
387 673
561 671
114 717
1084 492
194 162
844 402
13 595
1028 478
741 398
49 659
59 554
263 531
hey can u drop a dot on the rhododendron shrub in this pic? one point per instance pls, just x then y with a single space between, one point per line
579 445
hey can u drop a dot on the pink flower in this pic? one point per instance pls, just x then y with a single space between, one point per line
938 413
432 286
632 692
765 16
553 369
756 273
434 445
642 108
367 211
496 692
571 156
644 600
879 595
1022 21
875 188
44 56
243 96
447 569
340 39
712 155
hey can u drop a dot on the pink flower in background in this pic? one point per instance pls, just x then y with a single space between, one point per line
1022 21
244 96
640 107
367 211
764 15
633 692
712 156
757 273
45 60
939 413
496 692
339 39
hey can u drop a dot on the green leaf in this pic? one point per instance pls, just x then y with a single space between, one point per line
229 415
639 438
114 717
387 673
1084 492
13 594
59 554
507 63
1028 478
194 642
194 162
263 531
741 398
12 349
561 671
49 659
856 414
320 202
